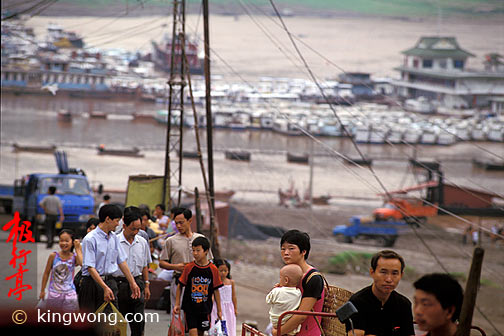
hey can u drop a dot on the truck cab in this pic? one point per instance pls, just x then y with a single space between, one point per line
72 189
413 211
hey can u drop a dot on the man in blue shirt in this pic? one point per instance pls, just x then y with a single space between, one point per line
102 256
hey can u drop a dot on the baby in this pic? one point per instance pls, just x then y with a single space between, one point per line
287 296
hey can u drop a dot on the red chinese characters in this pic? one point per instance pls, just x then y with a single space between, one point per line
19 233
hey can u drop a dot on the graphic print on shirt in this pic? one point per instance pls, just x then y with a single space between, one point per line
199 289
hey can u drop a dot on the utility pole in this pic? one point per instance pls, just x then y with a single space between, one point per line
172 180
471 290
208 104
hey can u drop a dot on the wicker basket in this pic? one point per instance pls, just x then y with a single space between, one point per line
334 298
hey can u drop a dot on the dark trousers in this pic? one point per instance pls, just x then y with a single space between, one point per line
91 294
50 225
132 306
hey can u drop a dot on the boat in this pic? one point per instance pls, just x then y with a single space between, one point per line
420 105
97 115
162 117
286 127
133 152
488 164
358 161
161 55
378 135
496 133
267 121
297 158
428 137
446 138
240 121
395 136
63 39
412 136
478 133
189 154
64 116
143 116
34 148
237 155
362 134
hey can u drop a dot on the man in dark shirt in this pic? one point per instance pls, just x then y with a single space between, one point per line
381 310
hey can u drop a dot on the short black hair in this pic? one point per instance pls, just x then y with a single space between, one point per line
201 241
111 211
445 288
131 214
92 221
52 190
186 212
162 206
298 238
386 254
106 197
220 262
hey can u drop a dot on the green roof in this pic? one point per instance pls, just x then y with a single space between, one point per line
438 47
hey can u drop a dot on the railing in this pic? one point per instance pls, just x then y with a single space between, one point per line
248 330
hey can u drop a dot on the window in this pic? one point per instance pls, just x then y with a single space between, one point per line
427 63
458 64
415 63
65 185
442 64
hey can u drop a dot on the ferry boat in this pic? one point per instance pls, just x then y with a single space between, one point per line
162 55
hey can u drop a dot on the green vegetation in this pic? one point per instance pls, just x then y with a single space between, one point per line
356 262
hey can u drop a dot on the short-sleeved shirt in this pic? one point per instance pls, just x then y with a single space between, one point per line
312 285
138 253
201 282
101 251
178 249
394 318
51 203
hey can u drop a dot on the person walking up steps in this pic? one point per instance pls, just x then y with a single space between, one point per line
227 296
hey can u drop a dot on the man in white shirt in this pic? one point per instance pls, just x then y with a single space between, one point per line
138 259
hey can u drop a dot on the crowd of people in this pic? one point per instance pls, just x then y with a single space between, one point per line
116 253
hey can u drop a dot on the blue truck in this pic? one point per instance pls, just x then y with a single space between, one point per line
73 190
386 232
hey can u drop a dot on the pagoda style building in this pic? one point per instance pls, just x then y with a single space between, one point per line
435 68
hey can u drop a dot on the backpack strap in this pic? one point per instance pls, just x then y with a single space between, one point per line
327 287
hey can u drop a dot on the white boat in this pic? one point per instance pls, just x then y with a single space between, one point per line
463 132
362 134
378 135
240 121
446 137
286 127
412 136
428 137
395 136
267 121
222 119
496 133
329 127
420 105
478 133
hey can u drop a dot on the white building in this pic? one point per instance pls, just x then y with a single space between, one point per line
435 68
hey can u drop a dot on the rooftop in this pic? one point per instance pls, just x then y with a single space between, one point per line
438 47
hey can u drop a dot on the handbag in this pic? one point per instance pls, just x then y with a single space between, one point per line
119 328
176 326
216 329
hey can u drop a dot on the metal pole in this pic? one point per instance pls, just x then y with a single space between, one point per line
208 103
198 209
471 290
310 187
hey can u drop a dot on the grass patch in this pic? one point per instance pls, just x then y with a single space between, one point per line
349 261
